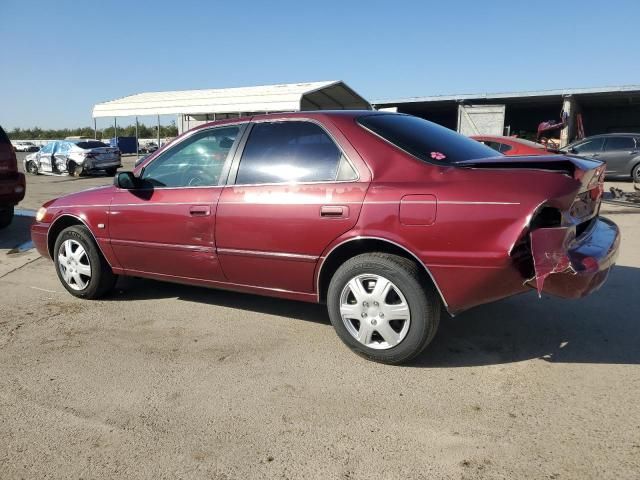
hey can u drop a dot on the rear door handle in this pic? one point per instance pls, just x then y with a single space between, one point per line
199 210
334 211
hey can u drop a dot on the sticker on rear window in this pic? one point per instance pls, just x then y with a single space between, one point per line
438 156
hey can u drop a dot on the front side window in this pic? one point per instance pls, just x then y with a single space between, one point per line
620 143
196 162
289 152
425 140
594 145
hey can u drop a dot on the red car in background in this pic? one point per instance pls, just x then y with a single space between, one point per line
384 217
512 146
12 182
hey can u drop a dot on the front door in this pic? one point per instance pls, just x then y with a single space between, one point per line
45 157
293 193
165 228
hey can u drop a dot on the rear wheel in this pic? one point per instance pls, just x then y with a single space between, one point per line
381 307
75 170
80 265
635 173
111 171
6 216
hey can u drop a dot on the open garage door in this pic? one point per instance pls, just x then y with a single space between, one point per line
481 119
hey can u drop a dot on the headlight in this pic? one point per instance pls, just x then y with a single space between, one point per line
41 213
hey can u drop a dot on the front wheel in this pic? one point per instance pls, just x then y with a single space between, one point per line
32 167
382 308
80 265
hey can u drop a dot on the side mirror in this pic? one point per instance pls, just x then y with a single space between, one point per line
125 180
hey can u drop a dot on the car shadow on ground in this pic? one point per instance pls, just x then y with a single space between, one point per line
17 233
602 328
143 289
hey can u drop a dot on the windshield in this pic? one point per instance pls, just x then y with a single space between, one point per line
425 140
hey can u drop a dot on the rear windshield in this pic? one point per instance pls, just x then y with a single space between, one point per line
90 144
425 140
4 140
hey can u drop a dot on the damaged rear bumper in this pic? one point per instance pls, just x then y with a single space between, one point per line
573 267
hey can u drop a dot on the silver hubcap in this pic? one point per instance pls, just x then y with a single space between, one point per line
374 311
74 264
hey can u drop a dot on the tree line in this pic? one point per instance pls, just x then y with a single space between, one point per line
37 133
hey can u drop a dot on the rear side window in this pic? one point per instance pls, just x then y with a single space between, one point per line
620 143
4 139
425 140
490 144
286 152
504 148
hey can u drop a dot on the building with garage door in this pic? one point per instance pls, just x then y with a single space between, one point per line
587 111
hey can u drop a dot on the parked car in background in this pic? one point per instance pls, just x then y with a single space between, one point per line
620 151
73 157
384 217
12 182
512 146
148 147
23 146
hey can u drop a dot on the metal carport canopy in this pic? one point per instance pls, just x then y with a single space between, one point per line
331 95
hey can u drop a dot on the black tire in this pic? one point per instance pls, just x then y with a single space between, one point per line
111 171
635 173
32 167
74 170
6 216
421 297
102 277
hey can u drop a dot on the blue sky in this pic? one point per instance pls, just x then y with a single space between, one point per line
60 57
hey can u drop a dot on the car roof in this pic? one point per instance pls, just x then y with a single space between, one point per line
303 114
600 135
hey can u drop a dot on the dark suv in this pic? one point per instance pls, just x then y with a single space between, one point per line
620 151
12 182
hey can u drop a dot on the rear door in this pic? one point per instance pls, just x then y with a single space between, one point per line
166 228
618 153
291 194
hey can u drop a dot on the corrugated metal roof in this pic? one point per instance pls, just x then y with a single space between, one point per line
269 98
497 96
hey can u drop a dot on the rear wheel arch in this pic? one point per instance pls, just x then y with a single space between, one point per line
356 246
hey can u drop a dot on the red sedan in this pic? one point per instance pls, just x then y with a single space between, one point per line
512 146
385 217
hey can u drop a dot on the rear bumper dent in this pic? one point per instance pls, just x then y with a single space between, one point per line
571 267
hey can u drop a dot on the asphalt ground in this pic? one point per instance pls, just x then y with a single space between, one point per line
169 381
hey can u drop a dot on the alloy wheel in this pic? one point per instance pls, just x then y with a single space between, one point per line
374 311
74 264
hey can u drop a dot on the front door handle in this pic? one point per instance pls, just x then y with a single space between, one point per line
334 211
199 210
